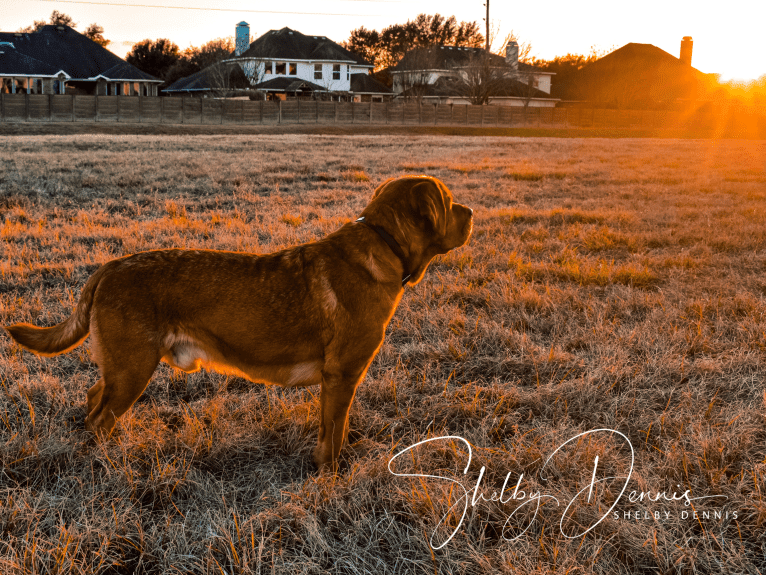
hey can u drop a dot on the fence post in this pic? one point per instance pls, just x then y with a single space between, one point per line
50 107
26 104
370 109
279 119
162 109
260 112
2 107
387 106
223 103
336 112
97 116
183 110
482 114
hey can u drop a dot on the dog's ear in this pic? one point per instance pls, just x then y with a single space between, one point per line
431 204
381 186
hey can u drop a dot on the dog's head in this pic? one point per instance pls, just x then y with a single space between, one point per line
421 215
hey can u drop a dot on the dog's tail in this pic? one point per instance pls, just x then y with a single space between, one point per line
49 341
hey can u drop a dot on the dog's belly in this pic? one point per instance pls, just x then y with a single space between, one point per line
191 356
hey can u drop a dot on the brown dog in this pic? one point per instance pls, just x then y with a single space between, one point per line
312 314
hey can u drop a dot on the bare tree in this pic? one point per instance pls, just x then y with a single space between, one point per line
417 72
525 48
226 79
255 71
479 78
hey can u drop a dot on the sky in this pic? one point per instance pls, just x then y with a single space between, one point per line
726 35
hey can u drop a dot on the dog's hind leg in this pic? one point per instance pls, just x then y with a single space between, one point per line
126 365
115 393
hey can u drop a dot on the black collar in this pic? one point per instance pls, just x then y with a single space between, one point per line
392 243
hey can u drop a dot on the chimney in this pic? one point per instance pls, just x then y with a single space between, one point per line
512 55
686 51
242 42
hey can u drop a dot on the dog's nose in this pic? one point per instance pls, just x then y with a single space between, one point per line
470 210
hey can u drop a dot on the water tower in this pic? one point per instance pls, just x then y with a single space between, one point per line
242 38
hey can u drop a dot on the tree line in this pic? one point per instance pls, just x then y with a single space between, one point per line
163 59
94 31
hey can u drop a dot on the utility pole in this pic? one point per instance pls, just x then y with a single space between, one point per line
487 21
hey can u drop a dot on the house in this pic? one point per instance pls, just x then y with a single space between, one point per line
451 74
60 60
641 76
285 63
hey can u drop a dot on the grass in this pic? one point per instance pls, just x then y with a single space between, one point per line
615 284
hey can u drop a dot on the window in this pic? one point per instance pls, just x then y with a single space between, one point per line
268 67
279 68
317 71
293 69
348 73
336 71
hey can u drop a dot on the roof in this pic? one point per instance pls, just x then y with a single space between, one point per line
638 73
80 57
285 84
644 56
195 83
201 81
449 57
366 84
446 87
14 63
287 44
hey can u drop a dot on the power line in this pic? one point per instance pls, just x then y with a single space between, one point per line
222 9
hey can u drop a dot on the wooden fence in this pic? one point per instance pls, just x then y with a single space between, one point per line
203 111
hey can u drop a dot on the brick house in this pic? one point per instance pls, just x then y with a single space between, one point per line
60 60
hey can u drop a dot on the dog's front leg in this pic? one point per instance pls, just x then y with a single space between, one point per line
335 401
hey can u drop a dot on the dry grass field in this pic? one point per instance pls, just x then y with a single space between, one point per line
614 284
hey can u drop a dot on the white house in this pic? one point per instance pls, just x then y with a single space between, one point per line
285 62
440 74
